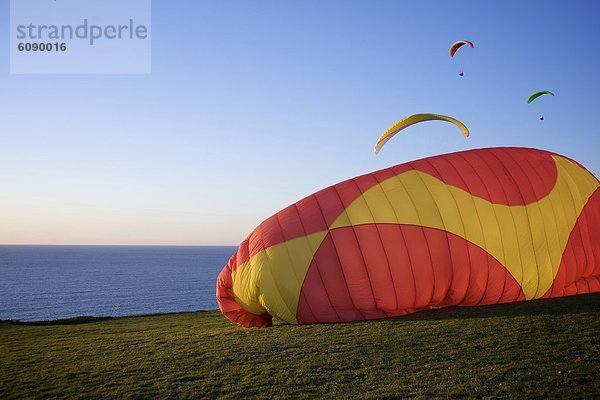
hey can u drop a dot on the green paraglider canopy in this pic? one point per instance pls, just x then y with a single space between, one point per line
538 94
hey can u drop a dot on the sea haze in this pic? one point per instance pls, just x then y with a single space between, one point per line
51 282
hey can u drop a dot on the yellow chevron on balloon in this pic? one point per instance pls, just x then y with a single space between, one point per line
528 240
259 285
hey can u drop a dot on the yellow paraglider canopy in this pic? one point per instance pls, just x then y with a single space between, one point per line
414 119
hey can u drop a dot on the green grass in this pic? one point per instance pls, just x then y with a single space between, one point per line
546 348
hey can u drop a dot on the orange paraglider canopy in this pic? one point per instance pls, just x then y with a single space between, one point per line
457 45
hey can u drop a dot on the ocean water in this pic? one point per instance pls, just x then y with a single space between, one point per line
50 282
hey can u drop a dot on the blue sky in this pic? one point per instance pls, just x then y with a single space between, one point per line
252 105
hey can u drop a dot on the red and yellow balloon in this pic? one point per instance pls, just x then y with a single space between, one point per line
477 227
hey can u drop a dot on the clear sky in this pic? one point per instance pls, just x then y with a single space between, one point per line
250 106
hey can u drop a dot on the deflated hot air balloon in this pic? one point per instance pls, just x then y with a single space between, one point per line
457 45
477 227
415 119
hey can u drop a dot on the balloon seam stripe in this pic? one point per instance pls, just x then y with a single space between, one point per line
338 254
537 204
314 260
360 247
460 218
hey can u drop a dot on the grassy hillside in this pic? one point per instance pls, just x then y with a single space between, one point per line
533 349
